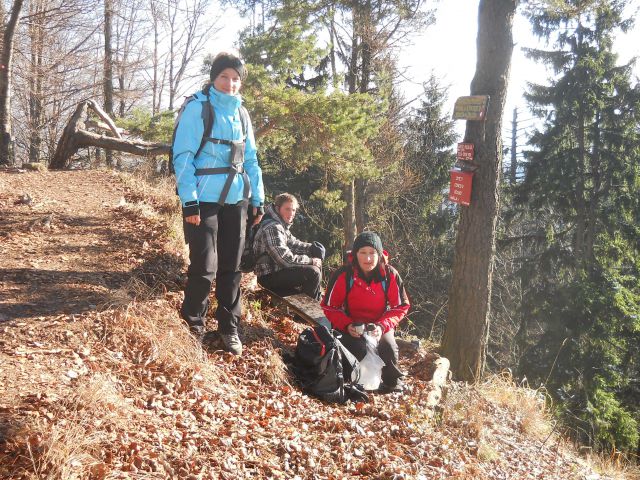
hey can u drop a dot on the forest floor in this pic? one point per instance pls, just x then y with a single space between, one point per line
101 380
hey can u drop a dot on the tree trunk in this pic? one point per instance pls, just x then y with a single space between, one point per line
108 67
360 204
172 88
365 26
595 195
36 36
513 168
6 61
467 330
349 192
155 102
581 212
332 48
349 224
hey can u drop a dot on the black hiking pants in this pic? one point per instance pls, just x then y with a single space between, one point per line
215 249
305 279
387 350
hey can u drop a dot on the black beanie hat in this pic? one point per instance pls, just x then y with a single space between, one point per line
367 239
227 60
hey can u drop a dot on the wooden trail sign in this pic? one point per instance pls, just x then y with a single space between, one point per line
471 108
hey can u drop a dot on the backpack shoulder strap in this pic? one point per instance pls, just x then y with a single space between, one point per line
348 280
386 280
208 117
385 283
244 121
186 101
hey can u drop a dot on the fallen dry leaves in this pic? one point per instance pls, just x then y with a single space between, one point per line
118 389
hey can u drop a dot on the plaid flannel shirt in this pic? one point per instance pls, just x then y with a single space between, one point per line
276 248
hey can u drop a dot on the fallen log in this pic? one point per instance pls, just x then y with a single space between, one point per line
75 136
438 381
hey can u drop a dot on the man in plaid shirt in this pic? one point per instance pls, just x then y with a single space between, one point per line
284 264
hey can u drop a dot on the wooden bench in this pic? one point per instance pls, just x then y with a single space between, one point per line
306 307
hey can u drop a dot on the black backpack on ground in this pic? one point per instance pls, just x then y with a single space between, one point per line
321 363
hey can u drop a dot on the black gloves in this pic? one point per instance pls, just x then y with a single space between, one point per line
317 250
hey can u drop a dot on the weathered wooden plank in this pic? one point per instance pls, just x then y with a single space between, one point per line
307 308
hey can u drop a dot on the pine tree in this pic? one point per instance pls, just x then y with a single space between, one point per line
582 183
357 60
313 139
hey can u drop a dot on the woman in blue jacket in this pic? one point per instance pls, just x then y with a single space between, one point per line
217 174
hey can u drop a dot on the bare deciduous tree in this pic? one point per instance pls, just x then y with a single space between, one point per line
131 29
187 31
53 64
6 63
36 75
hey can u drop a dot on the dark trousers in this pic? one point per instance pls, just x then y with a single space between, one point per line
305 279
387 350
215 249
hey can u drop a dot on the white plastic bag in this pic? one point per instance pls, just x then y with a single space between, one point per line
371 365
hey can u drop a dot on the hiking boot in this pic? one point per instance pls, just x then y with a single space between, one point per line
232 343
210 340
197 332
397 386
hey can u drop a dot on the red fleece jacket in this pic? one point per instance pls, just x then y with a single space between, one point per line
366 302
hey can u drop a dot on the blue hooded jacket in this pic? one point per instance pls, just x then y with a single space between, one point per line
227 126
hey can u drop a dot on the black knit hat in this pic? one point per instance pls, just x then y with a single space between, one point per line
227 60
367 239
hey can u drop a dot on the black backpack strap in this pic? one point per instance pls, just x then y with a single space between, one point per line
350 358
208 117
231 172
385 284
348 280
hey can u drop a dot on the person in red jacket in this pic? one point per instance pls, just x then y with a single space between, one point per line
368 291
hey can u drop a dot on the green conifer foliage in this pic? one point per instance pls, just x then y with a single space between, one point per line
348 140
412 217
582 289
313 139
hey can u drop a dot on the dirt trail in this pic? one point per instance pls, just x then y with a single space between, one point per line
64 244
89 391
68 242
